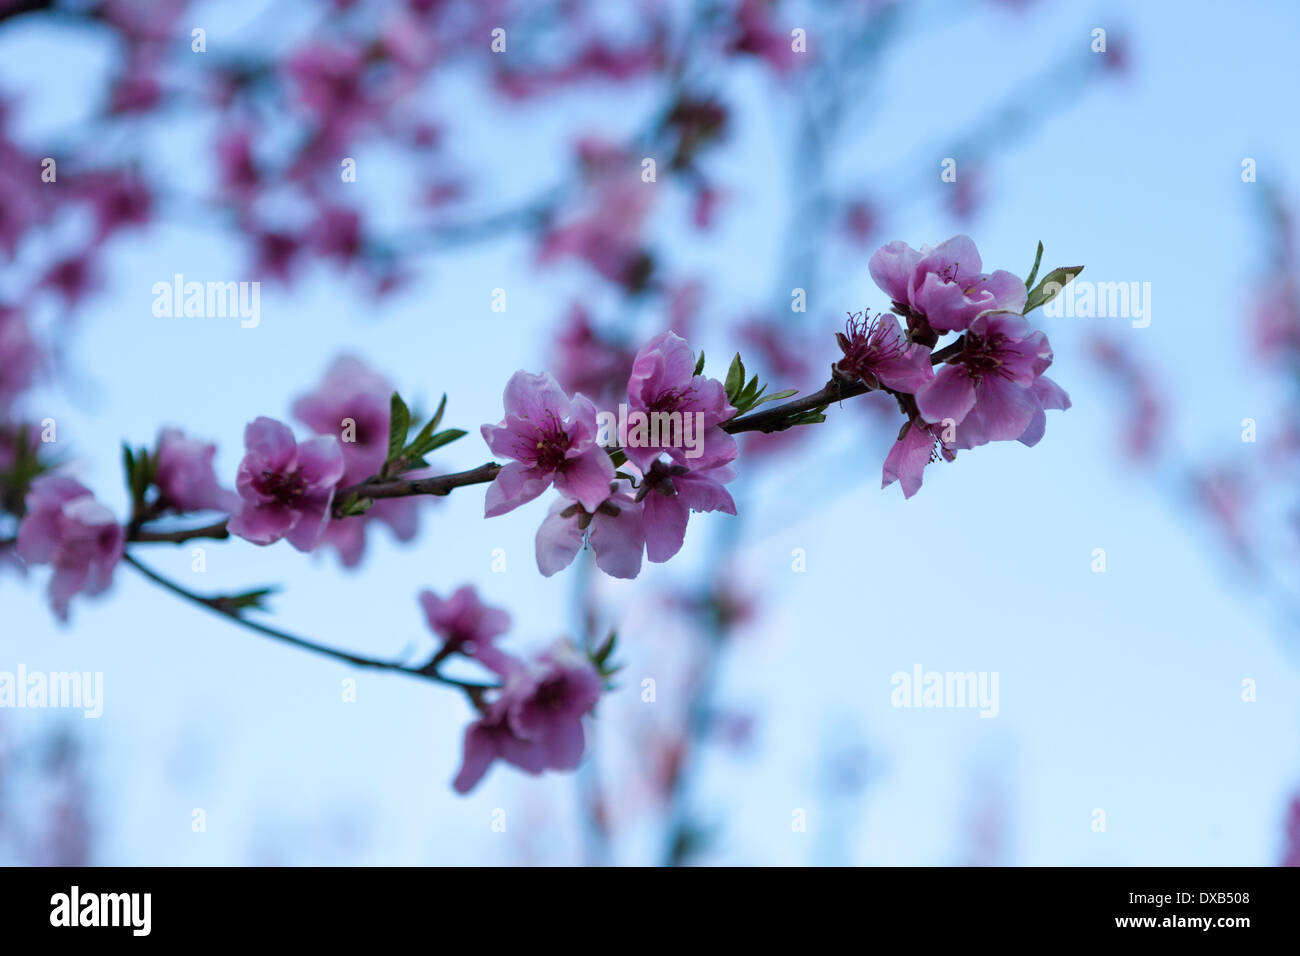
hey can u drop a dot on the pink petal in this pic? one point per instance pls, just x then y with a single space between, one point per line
558 540
514 485
949 395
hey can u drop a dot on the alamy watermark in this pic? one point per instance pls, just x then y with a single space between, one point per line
939 689
79 690
208 300
1101 300
638 429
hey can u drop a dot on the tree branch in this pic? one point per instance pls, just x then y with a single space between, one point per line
222 606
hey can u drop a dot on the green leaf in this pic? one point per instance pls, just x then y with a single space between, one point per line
444 438
354 505
399 423
776 397
1033 273
437 416
128 467
602 653
1050 287
735 379
235 603
699 364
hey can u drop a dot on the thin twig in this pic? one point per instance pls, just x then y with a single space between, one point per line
220 605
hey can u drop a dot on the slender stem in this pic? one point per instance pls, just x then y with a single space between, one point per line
223 606
217 531
438 485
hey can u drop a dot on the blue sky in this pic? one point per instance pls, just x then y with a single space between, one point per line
1118 691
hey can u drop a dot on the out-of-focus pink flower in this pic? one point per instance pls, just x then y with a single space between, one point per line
184 476
67 528
72 278
277 253
615 532
965 197
944 286
352 403
120 199
286 488
236 166
27 201
1291 844
337 233
136 90
1277 319
1224 495
552 439
1144 414
535 723
663 381
606 230
588 361
758 36
465 624
20 358
330 82
860 222
876 353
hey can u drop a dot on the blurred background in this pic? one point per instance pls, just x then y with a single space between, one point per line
1147 712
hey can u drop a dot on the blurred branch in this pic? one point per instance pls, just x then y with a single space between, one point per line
230 610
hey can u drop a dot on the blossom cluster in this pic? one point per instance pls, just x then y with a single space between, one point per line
533 720
628 503
990 385
622 515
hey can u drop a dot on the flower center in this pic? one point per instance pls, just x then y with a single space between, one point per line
670 400
867 345
983 354
550 694
550 442
284 488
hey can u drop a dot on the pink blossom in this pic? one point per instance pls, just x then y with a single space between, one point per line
465 624
587 361
20 357
236 166
758 36
615 531
353 402
918 445
993 389
276 253
66 527
672 492
943 287
73 278
664 381
119 199
184 475
536 722
337 234
286 488
876 353
552 439
606 229
27 201
329 81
